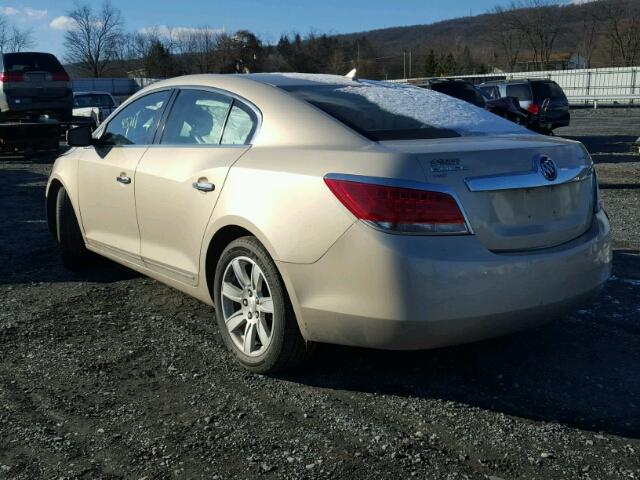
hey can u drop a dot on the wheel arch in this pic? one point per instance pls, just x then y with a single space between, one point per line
226 234
52 195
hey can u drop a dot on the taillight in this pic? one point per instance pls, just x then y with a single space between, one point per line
400 209
60 76
533 108
11 77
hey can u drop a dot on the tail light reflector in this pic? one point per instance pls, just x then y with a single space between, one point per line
533 108
60 76
7 77
399 209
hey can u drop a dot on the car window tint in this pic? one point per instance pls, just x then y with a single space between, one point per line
520 90
136 123
240 126
196 118
548 90
31 62
92 100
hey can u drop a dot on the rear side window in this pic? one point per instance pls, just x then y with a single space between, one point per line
520 90
31 62
550 90
241 125
491 92
136 123
92 100
196 118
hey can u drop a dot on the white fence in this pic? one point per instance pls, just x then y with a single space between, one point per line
586 86
119 87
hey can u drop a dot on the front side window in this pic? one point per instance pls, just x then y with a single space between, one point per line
241 125
136 123
196 118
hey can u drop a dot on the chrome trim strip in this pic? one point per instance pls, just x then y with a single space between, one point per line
169 270
115 251
414 185
530 179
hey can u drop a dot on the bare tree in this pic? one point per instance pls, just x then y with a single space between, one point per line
94 38
505 37
12 38
587 36
539 22
622 18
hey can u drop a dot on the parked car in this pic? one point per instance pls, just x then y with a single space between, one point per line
95 105
33 84
506 107
543 99
315 208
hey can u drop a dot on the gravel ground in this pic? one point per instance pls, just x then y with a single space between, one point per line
107 374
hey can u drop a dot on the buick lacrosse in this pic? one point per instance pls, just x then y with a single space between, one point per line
316 208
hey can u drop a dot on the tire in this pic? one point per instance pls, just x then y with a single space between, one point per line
284 347
73 251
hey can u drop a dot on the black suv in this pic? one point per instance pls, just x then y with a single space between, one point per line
33 84
543 99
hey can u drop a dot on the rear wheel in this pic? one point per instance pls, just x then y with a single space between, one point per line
253 311
73 251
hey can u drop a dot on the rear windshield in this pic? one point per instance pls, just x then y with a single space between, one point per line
520 90
461 90
92 100
31 62
385 111
550 90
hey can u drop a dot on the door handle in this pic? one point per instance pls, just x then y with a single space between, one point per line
204 185
122 178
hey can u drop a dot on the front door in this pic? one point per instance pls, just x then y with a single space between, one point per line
106 173
178 181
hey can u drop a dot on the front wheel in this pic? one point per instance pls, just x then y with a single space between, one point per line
253 311
73 251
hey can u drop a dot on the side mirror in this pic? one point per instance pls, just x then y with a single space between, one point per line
79 136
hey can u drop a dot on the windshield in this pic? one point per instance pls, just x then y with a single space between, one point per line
92 100
385 111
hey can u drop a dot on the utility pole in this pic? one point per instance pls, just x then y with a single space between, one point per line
404 64
410 75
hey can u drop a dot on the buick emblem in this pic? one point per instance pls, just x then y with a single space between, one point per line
548 168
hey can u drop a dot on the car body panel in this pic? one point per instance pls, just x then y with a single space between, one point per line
426 292
172 214
108 207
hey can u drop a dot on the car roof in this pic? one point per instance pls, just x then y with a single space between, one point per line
274 79
517 80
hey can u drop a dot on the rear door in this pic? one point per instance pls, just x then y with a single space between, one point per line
107 176
558 108
179 178
41 77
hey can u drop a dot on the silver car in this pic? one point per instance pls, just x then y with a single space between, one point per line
313 208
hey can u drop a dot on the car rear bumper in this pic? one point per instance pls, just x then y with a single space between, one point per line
413 292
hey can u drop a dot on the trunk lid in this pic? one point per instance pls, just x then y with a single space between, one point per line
509 203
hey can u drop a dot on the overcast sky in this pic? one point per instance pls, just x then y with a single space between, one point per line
267 18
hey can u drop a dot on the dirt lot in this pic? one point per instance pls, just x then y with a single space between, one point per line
107 374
